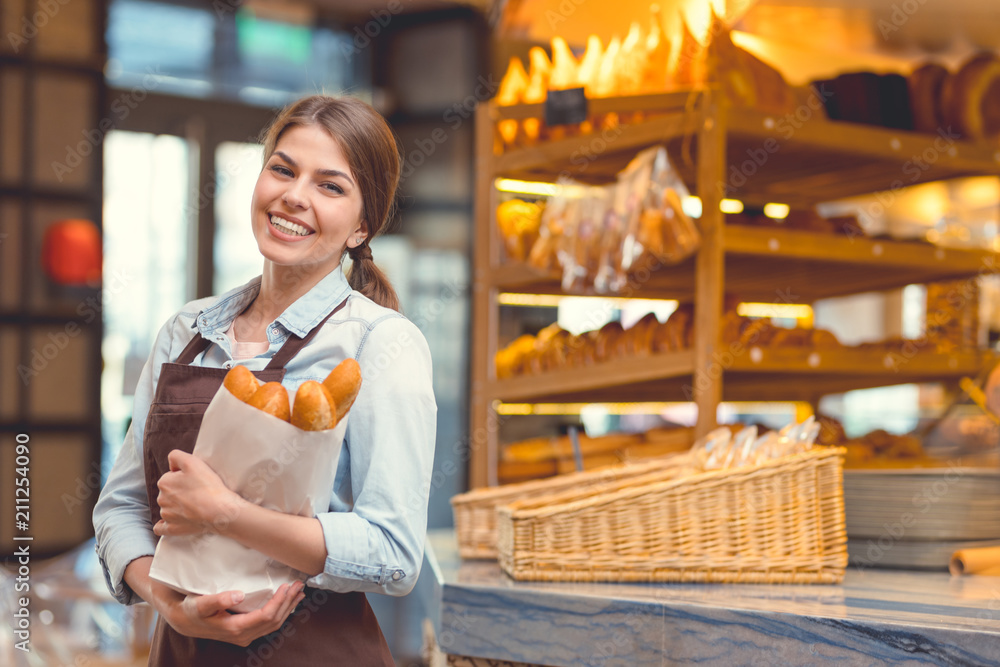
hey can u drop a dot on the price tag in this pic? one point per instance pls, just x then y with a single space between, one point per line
565 107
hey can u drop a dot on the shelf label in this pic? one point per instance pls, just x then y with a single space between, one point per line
566 107
813 360
756 354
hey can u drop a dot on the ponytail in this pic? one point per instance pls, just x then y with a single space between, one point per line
368 279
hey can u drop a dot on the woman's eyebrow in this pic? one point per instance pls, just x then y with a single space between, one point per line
322 172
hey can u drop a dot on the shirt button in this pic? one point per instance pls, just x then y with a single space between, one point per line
228 364
274 330
397 575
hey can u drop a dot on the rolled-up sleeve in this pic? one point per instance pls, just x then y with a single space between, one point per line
122 524
378 545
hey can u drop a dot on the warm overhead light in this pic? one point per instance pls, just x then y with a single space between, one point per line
731 206
692 206
802 409
789 311
776 211
553 300
525 187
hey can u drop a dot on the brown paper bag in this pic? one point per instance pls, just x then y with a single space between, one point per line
269 462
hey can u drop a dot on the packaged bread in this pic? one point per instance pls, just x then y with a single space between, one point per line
344 383
313 410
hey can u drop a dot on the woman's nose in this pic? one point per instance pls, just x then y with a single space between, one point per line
294 195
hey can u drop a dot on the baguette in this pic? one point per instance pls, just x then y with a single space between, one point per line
314 409
241 383
272 398
344 383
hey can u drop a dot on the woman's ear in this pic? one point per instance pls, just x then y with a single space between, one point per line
358 236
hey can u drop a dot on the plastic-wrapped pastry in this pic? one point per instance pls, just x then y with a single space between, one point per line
519 222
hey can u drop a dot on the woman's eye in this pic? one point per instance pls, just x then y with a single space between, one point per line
279 169
333 187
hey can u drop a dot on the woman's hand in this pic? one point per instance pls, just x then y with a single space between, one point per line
205 616
193 499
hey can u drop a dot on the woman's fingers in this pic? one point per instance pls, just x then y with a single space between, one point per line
210 605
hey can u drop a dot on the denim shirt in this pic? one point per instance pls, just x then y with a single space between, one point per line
374 531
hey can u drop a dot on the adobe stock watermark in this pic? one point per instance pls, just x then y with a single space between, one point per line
87 310
363 35
900 14
922 502
786 126
121 107
455 116
723 360
47 9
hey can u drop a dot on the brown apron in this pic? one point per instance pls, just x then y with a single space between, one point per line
326 628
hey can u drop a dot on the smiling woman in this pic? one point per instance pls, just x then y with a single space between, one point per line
331 168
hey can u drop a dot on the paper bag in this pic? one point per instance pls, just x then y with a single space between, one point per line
270 463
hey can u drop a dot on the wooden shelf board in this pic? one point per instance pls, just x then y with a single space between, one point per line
676 101
772 374
776 265
768 158
621 373
596 157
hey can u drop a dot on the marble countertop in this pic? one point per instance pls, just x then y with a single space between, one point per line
874 617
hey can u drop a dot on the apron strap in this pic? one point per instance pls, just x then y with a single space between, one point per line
199 344
294 343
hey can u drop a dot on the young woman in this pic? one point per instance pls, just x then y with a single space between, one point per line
327 188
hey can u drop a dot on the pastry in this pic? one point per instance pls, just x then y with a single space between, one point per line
344 383
926 86
609 341
314 410
241 383
974 107
272 398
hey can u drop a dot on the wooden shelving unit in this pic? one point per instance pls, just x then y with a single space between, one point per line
794 162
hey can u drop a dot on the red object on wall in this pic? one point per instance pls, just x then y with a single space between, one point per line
71 253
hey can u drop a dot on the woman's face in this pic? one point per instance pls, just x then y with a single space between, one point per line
306 205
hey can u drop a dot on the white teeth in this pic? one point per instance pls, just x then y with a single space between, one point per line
289 227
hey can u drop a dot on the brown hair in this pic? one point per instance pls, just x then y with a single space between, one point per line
373 156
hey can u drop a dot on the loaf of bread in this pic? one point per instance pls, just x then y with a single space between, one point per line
973 106
926 90
343 383
314 409
272 398
241 383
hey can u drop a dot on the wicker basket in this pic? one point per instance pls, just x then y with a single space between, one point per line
777 522
475 512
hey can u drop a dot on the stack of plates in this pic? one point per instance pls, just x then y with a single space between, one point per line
918 517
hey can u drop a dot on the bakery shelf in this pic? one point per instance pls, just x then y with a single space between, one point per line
614 377
749 373
725 151
781 265
767 264
821 160
793 160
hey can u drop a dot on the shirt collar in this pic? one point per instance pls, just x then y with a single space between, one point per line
299 318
